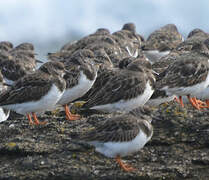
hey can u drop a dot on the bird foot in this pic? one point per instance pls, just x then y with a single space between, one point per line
194 102
125 167
69 115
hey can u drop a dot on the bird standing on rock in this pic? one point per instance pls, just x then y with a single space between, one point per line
188 75
161 42
124 90
4 114
81 75
36 92
120 136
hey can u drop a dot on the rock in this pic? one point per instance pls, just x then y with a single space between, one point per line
179 148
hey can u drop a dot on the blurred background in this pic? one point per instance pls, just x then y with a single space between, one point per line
49 24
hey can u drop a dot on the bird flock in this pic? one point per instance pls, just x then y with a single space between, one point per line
108 72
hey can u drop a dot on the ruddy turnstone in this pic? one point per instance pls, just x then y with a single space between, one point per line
79 79
197 32
36 92
194 37
128 40
124 90
188 75
161 42
24 55
4 114
120 136
10 69
6 45
18 62
90 39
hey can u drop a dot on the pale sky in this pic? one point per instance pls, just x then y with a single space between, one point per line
42 21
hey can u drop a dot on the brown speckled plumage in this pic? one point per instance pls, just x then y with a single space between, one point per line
186 71
81 60
6 45
118 129
11 70
119 84
163 39
33 86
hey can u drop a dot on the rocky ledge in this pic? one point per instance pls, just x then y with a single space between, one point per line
179 148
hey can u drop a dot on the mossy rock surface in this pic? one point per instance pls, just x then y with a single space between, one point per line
179 148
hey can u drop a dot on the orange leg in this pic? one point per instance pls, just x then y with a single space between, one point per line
199 102
69 115
181 101
193 102
206 104
177 100
124 166
30 119
37 122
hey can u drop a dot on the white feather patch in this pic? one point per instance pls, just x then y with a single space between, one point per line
47 102
3 116
84 84
128 105
112 149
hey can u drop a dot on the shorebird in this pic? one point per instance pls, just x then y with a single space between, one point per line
122 89
161 42
188 75
81 75
4 114
119 136
36 92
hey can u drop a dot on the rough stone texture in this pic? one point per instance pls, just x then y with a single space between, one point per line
179 148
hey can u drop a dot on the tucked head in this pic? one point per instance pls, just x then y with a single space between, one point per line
25 46
132 63
135 66
6 45
196 32
129 27
53 68
206 42
102 31
201 47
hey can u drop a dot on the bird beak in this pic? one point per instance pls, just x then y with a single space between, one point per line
5 84
154 72
66 71
39 61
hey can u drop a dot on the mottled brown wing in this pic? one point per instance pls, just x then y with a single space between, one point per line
183 73
117 129
12 70
122 86
28 88
100 82
72 77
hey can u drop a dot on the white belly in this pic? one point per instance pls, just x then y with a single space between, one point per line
112 149
3 116
155 55
158 101
192 90
9 82
77 91
47 102
204 94
128 105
